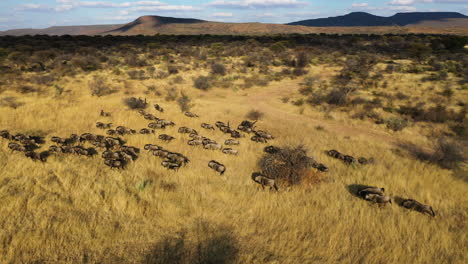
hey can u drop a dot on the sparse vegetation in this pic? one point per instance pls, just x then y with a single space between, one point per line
148 209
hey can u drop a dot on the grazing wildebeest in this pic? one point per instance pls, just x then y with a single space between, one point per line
377 198
119 164
151 147
190 114
230 151
263 134
166 137
187 130
177 158
272 149
349 159
417 206
335 154
217 166
158 108
6 135
264 181
145 131
103 125
149 116
105 114
207 126
156 125
236 134
16 147
195 142
170 165
161 153
259 139
371 190
231 142
213 146
246 126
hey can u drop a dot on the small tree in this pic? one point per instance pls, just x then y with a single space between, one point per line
218 68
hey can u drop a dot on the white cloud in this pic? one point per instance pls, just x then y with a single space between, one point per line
360 5
401 2
241 4
222 15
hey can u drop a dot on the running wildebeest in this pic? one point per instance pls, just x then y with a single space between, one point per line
119 164
217 166
156 125
145 131
103 125
213 146
187 130
158 108
258 139
264 181
16 147
231 142
170 165
207 126
417 206
246 126
151 147
166 137
236 134
230 151
190 114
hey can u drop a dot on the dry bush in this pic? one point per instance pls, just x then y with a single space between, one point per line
287 165
449 154
202 83
171 94
218 68
135 103
172 69
99 86
396 124
339 96
184 102
10 101
255 115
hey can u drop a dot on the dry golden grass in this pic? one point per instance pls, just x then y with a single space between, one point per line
75 210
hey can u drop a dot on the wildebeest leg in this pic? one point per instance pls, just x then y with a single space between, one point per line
263 187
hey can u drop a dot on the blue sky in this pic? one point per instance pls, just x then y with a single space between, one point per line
46 13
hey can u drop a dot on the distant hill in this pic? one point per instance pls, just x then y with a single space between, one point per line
353 23
149 23
362 19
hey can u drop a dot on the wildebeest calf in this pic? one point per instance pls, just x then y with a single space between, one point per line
264 181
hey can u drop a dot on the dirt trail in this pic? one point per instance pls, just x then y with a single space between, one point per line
267 100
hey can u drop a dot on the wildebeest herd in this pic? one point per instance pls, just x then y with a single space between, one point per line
116 154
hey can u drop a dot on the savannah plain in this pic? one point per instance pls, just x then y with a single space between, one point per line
398 99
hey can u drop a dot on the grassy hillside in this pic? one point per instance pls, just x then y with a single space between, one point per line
74 209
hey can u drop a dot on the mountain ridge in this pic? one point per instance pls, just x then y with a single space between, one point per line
363 19
352 23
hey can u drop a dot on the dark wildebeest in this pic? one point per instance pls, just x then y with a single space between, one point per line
272 149
156 125
258 139
190 114
166 137
119 164
170 165
158 108
379 199
207 126
187 130
231 142
264 181
370 190
417 206
146 131
105 114
230 151
217 166
16 147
